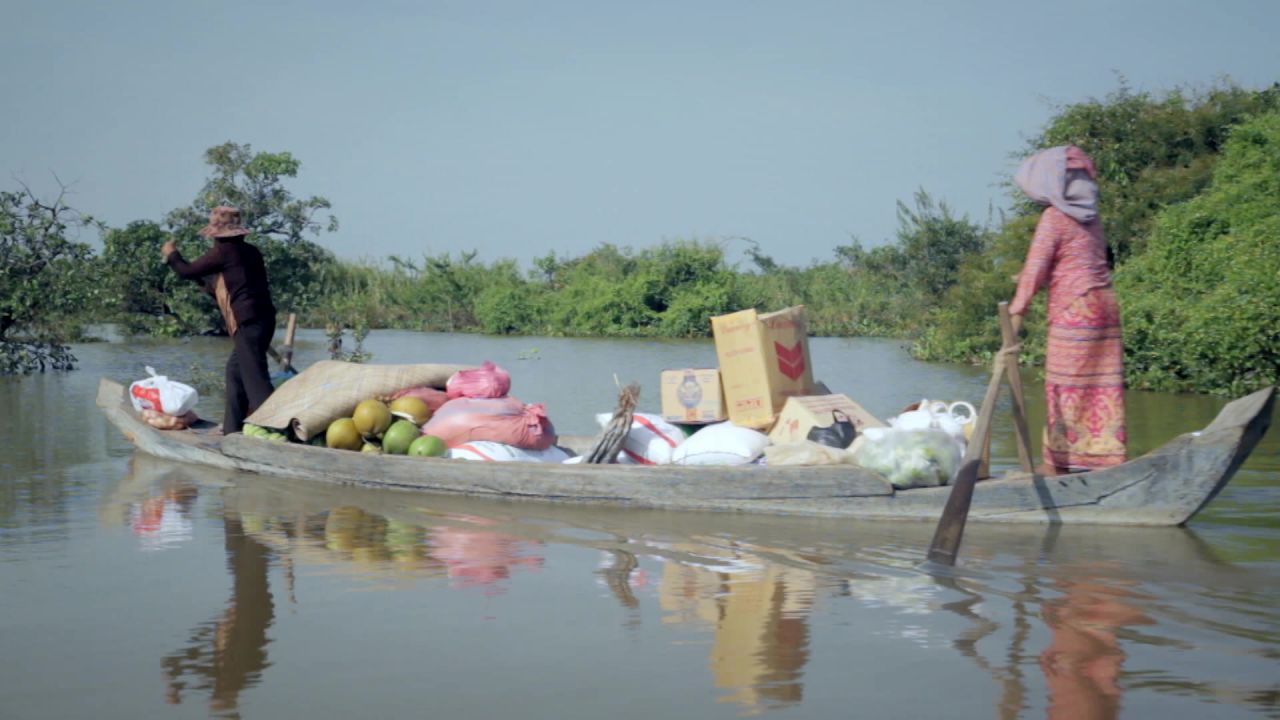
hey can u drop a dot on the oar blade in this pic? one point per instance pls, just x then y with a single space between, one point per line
946 539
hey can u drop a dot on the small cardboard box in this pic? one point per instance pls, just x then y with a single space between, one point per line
764 359
692 395
801 414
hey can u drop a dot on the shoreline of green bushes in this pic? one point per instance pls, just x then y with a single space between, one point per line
1188 182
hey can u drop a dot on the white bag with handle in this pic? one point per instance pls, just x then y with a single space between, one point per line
956 419
163 395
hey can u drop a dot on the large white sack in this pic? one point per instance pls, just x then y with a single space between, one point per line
721 444
650 441
498 452
163 395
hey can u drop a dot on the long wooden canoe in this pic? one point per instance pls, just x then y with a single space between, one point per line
1164 487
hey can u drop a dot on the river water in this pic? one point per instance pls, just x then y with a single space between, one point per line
132 587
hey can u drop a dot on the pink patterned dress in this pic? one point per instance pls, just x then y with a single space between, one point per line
1084 373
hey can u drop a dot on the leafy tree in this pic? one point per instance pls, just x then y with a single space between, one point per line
46 282
1202 304
1151 150
280 225
148 297
932 242
254 182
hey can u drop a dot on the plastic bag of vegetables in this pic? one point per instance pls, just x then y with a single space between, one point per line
908 458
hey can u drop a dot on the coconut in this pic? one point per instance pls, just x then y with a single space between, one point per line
399 436
372 418
428 446
343 435
413 409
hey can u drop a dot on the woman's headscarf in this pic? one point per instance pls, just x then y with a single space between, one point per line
1044 177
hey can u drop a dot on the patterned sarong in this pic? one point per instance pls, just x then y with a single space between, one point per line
1084 384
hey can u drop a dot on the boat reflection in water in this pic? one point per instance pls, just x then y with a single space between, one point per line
759 614
754 599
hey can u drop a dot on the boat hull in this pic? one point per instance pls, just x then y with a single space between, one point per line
1167 486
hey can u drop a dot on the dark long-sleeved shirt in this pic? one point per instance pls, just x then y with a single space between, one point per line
234 271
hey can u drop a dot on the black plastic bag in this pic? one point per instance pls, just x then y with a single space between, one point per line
839 434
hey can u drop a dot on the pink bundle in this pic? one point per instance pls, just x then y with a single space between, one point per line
505 420
486 381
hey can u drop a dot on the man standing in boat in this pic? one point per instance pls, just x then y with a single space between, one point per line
234 273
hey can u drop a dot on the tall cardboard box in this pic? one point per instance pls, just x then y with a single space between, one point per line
764 359
801 414
692 395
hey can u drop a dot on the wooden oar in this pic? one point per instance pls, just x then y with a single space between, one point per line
1003 369
290 330
285 359
977 456
946 539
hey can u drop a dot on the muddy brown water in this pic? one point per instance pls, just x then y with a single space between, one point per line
132 587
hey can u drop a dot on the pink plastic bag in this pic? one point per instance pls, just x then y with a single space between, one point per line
503 420
486 381
432 397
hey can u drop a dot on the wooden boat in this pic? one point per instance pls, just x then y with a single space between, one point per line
1167 486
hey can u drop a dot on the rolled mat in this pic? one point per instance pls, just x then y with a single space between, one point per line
331 389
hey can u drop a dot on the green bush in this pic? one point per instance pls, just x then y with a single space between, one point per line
1202 304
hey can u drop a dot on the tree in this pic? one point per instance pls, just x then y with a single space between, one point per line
150 299
1152 151
1202 304
46 280
932 242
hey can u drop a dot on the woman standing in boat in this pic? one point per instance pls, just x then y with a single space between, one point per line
1084 360
233 272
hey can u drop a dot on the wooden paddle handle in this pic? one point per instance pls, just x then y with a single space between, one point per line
291 328
1011 368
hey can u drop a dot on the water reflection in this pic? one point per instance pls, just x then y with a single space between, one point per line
1049 623
481 557
1082 663
226 655
759 615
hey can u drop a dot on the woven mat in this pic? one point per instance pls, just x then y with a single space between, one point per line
330 389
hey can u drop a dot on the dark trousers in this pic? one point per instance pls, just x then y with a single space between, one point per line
248 380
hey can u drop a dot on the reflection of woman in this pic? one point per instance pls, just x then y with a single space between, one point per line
1084 365
1082 663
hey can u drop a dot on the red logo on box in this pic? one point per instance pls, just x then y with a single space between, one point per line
790 360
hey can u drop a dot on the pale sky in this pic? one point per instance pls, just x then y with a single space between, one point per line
520 128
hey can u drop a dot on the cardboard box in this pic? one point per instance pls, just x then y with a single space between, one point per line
800 414
692 395
764 359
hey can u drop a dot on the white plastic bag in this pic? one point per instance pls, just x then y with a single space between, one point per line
909 458
163 395
650 441
498 452
721 444
956 419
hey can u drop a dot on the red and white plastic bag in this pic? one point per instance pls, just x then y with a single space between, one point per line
163 395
